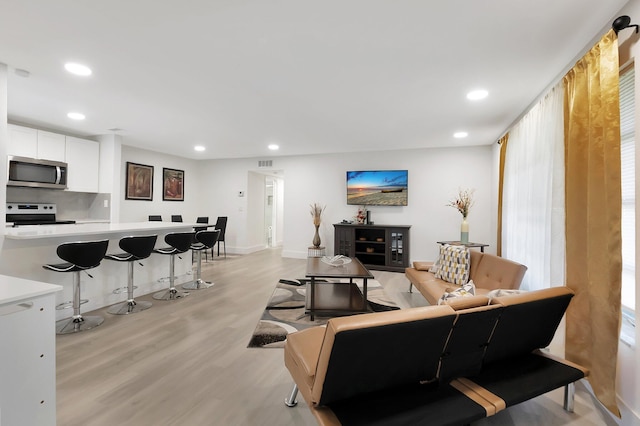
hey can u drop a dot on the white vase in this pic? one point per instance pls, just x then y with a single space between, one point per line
464 231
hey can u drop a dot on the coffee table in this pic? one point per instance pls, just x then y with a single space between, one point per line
332 297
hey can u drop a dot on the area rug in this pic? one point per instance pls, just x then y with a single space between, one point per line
284 313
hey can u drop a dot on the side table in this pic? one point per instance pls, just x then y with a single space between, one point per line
481 246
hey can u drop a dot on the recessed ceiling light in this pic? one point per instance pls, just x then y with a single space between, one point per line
476 95
77 69
76 116
460 135
273 147
199 148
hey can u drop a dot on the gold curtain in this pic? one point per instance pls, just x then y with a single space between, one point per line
593 211
503 155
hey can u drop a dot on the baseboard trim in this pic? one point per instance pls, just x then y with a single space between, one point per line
629 417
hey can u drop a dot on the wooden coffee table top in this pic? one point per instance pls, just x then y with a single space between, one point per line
316 268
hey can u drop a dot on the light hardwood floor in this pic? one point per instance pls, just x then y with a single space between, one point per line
186 362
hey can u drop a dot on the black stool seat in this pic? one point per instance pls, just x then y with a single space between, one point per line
204 240
136 248
179 242
64 267
78 256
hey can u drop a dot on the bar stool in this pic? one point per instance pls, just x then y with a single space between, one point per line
204 240
136 249
179 242
79 256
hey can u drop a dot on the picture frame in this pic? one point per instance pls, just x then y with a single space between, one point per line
172 184
139 183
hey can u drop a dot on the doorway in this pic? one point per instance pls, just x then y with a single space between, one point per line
270 211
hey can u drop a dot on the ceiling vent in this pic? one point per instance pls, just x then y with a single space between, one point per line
262 164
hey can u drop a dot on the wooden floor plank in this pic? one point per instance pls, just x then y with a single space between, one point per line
186 362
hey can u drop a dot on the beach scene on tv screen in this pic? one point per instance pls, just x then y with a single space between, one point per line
377 187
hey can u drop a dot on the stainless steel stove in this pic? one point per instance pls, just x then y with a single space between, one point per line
33 214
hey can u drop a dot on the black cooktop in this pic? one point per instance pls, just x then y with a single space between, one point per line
42 222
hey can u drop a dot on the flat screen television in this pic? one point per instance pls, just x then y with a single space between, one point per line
377 187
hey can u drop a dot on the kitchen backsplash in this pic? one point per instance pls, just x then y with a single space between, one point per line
70 205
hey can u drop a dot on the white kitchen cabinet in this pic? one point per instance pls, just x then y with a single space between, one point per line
51 146
33 143
23 141
83 160
27 352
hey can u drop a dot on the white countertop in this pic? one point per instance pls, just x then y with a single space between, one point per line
82 229
14 289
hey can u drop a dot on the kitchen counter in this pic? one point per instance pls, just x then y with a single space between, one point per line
92 229
28 352
27 248
14 289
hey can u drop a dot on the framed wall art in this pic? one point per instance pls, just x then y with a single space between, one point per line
172 185
139 182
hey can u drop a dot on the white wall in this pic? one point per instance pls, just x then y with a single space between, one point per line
434 178
220 183
138 210
4 137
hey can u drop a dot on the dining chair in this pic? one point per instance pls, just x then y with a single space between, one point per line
221 225
201 219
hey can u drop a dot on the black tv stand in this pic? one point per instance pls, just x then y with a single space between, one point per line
379 247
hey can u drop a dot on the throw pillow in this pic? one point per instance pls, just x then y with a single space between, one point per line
454 265
436 265
466 290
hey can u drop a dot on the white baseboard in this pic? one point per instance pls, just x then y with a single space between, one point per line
629 417
246 250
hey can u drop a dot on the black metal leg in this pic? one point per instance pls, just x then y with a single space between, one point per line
364 295
312 288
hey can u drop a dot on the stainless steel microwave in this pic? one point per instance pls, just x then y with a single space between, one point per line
36 173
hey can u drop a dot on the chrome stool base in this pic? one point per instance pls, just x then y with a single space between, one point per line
198 284
76 324
129 307
170 294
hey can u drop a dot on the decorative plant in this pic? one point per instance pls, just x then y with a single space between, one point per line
464 201
362 214
316 214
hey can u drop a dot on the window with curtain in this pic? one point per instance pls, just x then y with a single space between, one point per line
628 153
533 193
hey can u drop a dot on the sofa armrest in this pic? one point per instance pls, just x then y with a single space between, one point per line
301 351
422 265
306 345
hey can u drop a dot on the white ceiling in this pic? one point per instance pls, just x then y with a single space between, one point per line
312 76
